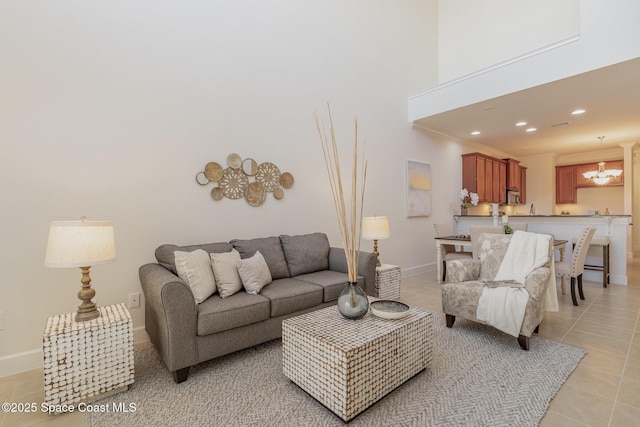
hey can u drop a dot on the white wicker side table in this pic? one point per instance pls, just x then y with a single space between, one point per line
83 360
348 365
388 278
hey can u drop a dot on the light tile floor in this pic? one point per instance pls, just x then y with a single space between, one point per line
604 390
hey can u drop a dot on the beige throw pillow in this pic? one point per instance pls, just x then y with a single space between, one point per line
195 269
254 273
225 271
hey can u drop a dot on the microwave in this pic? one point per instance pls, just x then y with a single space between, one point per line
513 197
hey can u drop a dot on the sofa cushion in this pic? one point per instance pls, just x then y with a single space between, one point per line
165 257
225 271
195 269
306 253
332 282
219 314
254 273
291 295
270 249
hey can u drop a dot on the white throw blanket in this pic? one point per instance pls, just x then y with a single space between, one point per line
504 307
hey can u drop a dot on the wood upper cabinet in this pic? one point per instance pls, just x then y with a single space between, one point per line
581 181
486 176
523 184
499 181
513 174
566 184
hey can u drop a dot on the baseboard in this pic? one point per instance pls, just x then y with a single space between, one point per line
20 362
414 271
34 359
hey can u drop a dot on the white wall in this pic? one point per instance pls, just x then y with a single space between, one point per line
475 35
109 109
608 35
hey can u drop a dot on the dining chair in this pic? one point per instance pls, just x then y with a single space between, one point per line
449 252
476 230
575 267
520 226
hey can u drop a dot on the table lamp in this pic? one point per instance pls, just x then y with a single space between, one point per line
81 244
375 228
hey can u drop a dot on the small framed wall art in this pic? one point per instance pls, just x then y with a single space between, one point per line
418 199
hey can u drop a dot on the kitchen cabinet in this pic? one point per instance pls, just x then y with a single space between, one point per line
523 184
485 176
513 174
566 191
581 181
501 178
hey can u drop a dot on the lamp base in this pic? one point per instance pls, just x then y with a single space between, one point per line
87 310
375 251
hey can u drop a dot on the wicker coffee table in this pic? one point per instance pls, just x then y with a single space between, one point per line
348 365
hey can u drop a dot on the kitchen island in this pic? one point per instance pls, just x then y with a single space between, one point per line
616 227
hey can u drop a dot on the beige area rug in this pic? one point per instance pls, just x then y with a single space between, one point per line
478 377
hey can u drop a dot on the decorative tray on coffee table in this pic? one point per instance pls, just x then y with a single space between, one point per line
388 309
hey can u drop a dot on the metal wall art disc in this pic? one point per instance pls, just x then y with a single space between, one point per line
217 193
245 179
202 179
286 180
234 161
256 194
213 171
233 183
268 175
249 166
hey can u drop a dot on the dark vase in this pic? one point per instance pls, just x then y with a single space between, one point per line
353 302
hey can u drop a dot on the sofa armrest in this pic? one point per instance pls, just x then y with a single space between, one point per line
170 316
366 267
463 270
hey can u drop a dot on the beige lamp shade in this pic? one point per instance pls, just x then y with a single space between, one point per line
80 244
375 228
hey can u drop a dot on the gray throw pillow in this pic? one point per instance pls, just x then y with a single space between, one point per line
270 249
306 253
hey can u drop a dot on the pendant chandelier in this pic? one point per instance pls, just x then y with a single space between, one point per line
602 176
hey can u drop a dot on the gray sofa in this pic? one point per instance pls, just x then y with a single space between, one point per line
307 275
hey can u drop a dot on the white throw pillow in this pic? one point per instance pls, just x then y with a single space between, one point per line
225 271
254 273
195 269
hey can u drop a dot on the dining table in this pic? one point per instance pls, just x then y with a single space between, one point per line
465 240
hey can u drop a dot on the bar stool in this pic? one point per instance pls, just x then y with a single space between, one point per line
604 242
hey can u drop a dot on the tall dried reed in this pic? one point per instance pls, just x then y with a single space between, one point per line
349 217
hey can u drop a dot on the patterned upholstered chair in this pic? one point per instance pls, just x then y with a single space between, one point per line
465 284
476 230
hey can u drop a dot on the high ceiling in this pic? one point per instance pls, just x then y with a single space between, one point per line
610 96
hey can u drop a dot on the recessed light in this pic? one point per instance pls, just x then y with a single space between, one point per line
531 129
578 111
475 132
521 123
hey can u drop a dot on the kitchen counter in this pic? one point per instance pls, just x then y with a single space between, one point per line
547 216
565 227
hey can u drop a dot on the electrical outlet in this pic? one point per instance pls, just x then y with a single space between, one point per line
1 320
134 300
